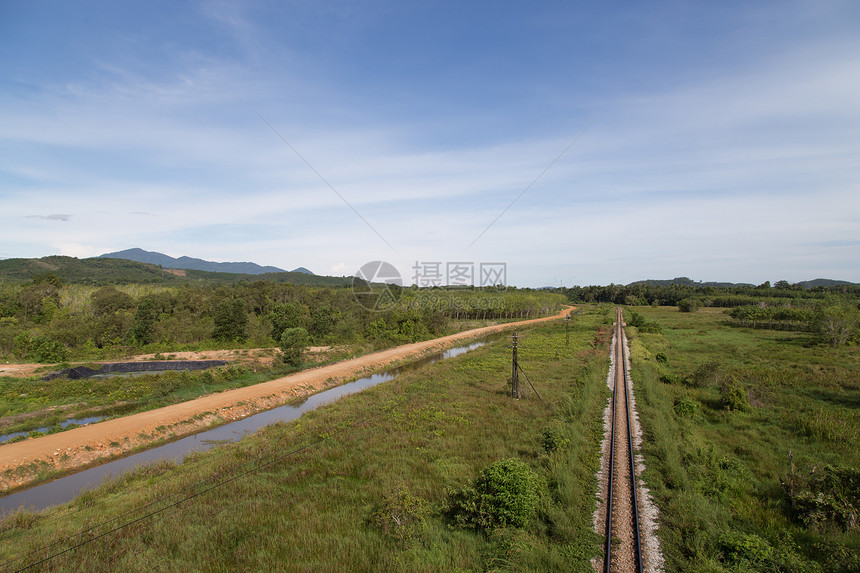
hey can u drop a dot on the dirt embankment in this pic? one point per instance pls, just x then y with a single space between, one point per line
20 461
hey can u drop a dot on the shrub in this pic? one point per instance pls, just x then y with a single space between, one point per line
643 324
685 407
553 439
688 305
400 515
670 379
836 324
40 348
505 494
661 358
708 375
733 396
831 495
745 550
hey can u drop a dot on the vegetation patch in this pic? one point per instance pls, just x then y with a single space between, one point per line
332 483
400 515
825 496
729 488
505 494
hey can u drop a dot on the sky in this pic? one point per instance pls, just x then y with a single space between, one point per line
573 142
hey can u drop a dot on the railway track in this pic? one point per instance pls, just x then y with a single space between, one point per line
623 548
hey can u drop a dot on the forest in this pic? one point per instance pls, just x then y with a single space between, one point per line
48 320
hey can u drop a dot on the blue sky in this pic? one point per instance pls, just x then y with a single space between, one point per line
618 141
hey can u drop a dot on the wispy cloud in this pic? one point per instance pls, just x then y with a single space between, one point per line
718 170
54 217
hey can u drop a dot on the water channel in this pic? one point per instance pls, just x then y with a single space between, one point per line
66 488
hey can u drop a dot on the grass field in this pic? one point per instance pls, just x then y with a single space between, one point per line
751 444
366 483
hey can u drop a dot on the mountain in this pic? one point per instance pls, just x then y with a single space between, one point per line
107 270
190 263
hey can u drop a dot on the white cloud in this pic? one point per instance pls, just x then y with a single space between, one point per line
720 175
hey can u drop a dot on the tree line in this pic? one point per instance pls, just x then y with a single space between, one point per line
46 320
833 312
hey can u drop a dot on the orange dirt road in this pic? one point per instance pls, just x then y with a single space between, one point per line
83 446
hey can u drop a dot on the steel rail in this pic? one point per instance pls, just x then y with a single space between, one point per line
621 362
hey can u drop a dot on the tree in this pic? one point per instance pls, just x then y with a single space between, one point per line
48 278
31 299
323 319
283 316
837 323
294 342
108 300
230 320
144 318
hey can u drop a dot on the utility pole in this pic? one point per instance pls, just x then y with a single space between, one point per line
515 378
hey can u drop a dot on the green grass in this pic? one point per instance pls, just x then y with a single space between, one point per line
405 444
716 474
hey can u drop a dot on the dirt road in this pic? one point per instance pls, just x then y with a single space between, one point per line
20 461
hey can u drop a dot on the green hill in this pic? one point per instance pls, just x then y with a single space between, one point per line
101 271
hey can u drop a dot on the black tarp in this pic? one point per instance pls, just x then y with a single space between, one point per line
121 367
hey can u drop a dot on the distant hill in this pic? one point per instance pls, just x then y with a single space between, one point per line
103 271
88 271
825 283
685 281
190 263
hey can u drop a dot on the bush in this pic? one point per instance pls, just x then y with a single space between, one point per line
708 375
688 305
505 494
643 324
661 358
685 407
745 550
670 379
831 495
40 349
733 396
553 439
837 324
400 515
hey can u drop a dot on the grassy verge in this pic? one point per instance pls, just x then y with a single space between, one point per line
751 444
365 483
